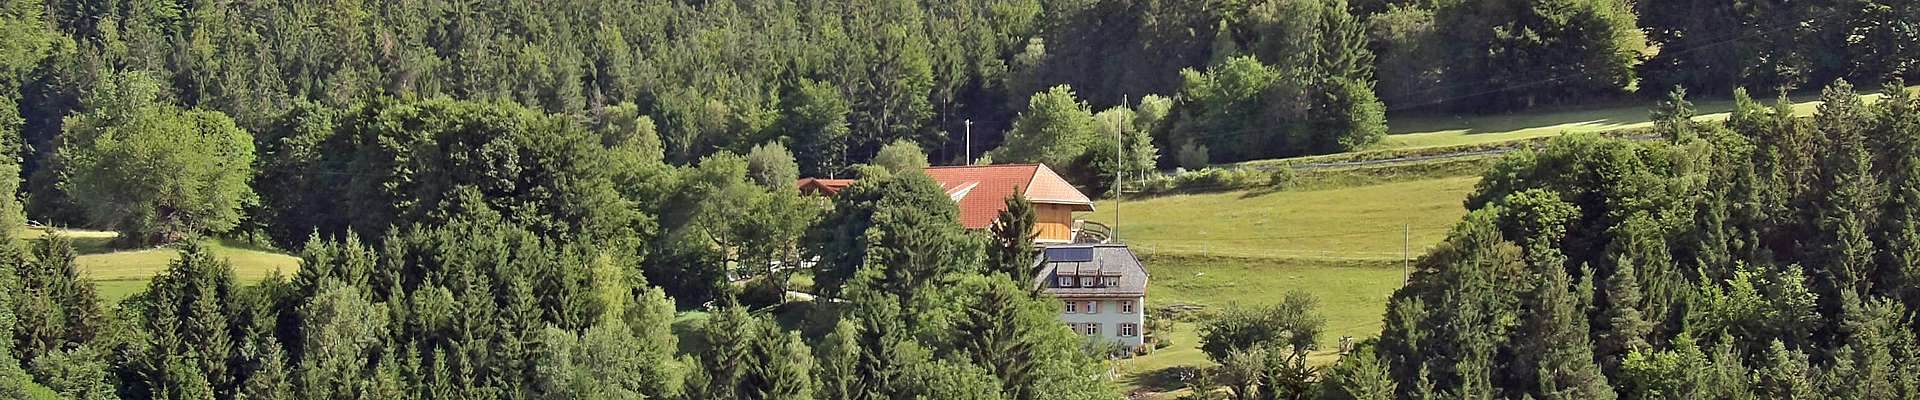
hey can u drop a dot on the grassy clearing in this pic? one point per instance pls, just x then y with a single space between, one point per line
1361 222
121 273
1353 294
1454 130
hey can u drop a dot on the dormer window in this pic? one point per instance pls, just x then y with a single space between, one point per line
1065 281
1112 281
1086 281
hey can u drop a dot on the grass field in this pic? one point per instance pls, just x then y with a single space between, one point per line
1366 222
1342 242
1452 130
120 273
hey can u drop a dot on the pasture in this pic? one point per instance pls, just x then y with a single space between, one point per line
121 273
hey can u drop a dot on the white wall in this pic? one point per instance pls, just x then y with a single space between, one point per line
1109 317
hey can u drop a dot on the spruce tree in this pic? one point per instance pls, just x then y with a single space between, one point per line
1898 122
1359 375
184 311
267 377
1673 119
785 369
997 335
839 355
14 381
1784 374
1626 328
1880 349
1848 201
78 300
1556 333
1011 252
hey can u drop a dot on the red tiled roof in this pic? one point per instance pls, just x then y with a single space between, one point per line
827 187
981 191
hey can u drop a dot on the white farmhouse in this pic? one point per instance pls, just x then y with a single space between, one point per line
1102 289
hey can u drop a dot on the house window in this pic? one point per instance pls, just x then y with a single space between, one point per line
1092 329
1066 281
1129 330
1112 281
1126 306
1086 281
1072 306
1093 307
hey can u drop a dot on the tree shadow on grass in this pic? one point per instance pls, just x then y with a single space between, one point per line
85 245
1162 380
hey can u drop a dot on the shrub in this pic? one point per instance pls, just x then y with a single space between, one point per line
1192 156
1208 180
1281 177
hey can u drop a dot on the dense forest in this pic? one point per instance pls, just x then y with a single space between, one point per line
835 80
1766 257
513 199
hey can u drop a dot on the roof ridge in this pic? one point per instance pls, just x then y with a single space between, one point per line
984 166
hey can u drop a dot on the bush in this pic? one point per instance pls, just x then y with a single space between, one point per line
1209 180
1192 156
901 156
1281 178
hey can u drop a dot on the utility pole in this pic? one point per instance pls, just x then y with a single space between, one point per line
1406 254
1119 166
969 123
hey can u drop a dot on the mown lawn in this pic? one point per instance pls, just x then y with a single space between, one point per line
1366 222
1451 130
121 273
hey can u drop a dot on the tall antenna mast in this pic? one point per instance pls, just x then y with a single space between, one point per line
969 123
1120 163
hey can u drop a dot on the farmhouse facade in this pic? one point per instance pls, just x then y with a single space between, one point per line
1102 290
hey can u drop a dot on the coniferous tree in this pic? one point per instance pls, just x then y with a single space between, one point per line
1016 337
1898 128
786 368
1673 118
14 380
1784 374
1849 195
902 228
838 354
1553 347
1442 341
1878 351
650 317
58 308
344 332
268 377
1012 251
1626 328
183 313
80 373
1359 375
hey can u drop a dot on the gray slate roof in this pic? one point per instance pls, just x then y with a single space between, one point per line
1111 259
